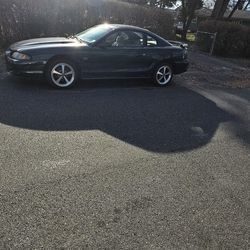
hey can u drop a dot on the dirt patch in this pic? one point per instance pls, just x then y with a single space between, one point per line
205 69
2 64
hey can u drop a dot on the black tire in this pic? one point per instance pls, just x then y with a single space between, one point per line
68 80
168 77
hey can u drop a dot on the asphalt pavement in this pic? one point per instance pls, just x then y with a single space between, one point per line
123 165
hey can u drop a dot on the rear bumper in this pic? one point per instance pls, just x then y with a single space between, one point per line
181 67
24 67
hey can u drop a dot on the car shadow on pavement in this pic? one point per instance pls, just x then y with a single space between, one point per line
155 119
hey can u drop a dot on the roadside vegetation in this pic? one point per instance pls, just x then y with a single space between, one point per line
233 40
31 18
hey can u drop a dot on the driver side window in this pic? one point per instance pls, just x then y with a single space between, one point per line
110 40
151 42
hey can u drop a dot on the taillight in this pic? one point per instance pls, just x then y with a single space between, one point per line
185 54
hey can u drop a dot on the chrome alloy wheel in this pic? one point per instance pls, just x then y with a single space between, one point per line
63 75
164 75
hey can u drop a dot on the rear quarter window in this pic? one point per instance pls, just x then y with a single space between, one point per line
151 42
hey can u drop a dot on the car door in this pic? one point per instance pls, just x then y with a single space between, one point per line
119 55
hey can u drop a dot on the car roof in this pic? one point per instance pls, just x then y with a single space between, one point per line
125 26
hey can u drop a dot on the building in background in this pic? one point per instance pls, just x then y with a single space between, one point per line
239 16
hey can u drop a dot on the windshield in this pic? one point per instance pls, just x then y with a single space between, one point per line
93 34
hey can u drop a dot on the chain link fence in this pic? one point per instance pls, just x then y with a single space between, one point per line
205 41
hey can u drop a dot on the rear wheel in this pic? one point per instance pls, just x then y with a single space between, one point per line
163 75
62 73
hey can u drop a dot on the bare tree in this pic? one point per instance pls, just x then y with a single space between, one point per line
187 14
238 6
246 6
188 8
219 9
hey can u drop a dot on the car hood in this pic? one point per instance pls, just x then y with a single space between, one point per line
45 43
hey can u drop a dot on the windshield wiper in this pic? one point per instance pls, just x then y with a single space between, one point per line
71 37
77 38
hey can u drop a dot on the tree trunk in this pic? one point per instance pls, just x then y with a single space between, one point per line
219 9
234 9
241 4
247 5
238 6
188 19
184 32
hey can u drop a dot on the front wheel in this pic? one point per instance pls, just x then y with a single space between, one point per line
62 73
163 75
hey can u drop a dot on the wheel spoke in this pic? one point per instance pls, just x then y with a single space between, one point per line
65 78
69 73
165 70
56 73
59 79
160 78
63 68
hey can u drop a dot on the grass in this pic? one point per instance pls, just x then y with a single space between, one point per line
190 37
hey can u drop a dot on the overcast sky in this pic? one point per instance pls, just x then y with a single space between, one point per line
207 4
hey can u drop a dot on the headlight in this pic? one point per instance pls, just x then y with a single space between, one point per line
20 56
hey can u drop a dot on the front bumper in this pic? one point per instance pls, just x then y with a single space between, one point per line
181 67
23 67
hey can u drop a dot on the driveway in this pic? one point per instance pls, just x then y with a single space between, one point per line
124 165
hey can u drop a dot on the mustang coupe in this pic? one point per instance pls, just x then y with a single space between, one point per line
102 52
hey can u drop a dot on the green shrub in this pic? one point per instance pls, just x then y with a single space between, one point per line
232 40
34 18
